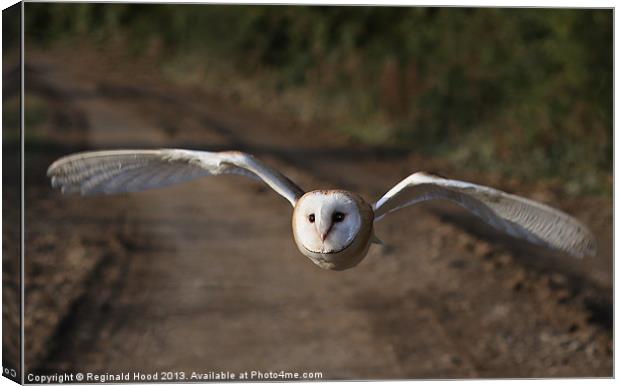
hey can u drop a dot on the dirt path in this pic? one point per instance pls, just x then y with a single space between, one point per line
207 277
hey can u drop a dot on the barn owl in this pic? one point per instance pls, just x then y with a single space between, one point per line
333 228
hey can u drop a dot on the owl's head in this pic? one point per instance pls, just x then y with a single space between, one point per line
326 221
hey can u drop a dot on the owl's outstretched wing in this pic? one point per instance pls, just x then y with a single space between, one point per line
116 171
512 214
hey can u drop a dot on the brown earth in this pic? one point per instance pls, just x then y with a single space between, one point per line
205 276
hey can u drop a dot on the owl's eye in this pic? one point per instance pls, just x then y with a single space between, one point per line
338 217
311 217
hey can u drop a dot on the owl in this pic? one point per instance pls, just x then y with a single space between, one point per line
333 228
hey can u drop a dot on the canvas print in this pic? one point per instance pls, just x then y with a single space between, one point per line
288 192
11 193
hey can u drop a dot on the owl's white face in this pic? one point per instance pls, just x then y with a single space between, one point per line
326 221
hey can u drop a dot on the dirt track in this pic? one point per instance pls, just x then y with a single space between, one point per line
205 276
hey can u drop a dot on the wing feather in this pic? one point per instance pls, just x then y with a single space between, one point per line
517 216
117 171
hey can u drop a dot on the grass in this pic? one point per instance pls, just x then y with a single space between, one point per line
521 92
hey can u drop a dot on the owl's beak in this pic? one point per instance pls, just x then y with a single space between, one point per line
325 233
323 226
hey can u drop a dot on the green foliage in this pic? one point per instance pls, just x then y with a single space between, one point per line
523 91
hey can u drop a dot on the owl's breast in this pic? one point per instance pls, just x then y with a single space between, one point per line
339 261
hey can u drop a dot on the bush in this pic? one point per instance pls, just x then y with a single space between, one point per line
523 91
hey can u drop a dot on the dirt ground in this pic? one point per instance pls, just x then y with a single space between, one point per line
205 276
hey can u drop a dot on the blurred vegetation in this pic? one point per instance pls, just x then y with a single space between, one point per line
522 92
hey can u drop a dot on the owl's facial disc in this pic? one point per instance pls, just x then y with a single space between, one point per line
326 221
